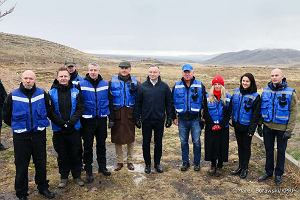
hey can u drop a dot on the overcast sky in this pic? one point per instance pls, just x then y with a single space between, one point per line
211 26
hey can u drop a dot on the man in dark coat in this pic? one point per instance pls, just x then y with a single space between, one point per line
3 95
25 111
153 106
123 92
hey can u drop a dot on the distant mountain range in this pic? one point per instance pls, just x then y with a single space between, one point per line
257 57
18 49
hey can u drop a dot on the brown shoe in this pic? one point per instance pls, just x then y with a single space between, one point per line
119 166
130 166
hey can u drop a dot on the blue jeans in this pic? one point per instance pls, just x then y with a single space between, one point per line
185 127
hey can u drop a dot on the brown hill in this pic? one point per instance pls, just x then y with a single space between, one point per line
16 49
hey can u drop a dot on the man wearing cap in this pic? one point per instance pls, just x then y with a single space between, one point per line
25 111
188 96
153 113
94 120
75 77
123 91
3 95
278 112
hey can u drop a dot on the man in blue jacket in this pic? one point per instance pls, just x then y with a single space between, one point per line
94 120
25 111
188 96
279 112
66 110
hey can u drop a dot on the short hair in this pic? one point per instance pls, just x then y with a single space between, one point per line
61 69
93 64
152 65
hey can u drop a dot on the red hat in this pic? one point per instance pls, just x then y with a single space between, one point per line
218 79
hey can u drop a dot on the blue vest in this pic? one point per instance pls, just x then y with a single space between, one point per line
54 96
188 99
216 109
28 114
95 100
275 105
242 107
124 94
76 80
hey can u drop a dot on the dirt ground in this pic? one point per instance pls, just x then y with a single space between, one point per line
172 184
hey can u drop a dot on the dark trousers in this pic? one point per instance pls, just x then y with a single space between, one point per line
68 148
25 146
96 127
244 148
217 163
269 140
147 128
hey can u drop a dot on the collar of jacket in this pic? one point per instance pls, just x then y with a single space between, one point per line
184 83
73 75
92 81
158 80
277 87
124 78
27 92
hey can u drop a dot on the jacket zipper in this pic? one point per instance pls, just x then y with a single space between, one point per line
31 118
96 100
239 110
124 93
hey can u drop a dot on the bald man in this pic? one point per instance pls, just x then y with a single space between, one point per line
25 111
278 113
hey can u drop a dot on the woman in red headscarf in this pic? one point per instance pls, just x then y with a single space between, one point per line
217 115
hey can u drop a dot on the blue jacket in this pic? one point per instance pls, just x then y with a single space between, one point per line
242 107
124 93
54 96
275 105
28 114
188 99
76 80
95 99
216 109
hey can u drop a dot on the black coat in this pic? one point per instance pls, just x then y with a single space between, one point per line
154 101
3 96
216 143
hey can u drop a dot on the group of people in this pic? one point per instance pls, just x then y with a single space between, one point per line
81 109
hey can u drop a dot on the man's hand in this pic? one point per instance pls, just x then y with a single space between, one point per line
287 135
111 124
260 130
138 123
168 123
175 121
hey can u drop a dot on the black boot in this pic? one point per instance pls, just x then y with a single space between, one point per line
104 171
47 194
244 173
236 171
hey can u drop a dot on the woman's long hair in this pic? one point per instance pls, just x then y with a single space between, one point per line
212 98
253 87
